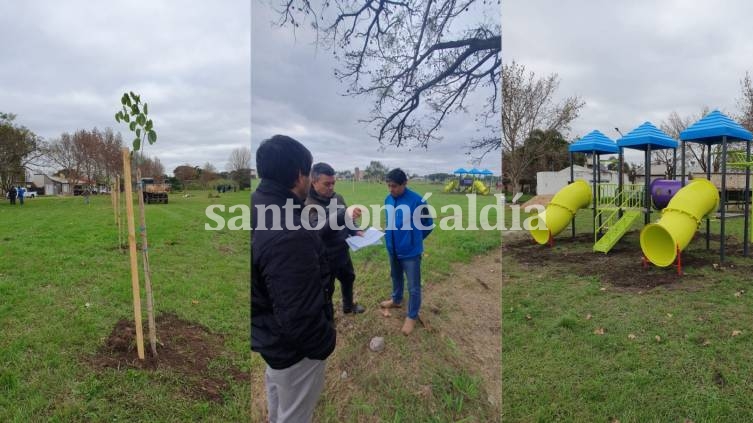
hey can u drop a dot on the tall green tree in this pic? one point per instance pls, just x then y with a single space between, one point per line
19 147
375 171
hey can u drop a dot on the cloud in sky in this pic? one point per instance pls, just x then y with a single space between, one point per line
634 61
66 64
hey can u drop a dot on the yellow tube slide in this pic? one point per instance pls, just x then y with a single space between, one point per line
481 188
679 221
560 211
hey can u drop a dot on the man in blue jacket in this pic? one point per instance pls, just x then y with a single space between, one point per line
408 223
21 194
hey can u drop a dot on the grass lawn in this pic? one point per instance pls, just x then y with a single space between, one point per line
422 378
593 337
58 255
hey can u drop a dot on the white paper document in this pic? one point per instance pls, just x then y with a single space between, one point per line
370 236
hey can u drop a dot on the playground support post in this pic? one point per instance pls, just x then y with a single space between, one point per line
674 164
132 250
708 219
746 198
598 192
572 179
682 164
724 197
618 195
646 189
594 164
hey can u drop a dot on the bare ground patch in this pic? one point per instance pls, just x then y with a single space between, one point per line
184 347
623 266
470 314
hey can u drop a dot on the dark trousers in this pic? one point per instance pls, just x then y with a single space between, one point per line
342 270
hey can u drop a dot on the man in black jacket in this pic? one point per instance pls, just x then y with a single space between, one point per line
291 302
323 194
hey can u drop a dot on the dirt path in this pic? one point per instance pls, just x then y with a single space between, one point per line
464 307
472 317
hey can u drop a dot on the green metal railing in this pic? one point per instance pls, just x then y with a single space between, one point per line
611 200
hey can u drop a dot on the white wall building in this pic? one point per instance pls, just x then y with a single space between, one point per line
548 183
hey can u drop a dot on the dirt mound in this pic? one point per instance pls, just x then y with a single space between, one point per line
539 200
184 347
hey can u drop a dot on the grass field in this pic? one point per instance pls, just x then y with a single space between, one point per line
593 337
421 378
58 255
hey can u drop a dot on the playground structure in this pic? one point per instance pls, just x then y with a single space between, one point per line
560 211
663 241
683 206
472 184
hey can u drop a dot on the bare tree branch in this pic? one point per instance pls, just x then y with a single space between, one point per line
410 56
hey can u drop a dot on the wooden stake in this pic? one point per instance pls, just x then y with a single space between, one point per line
113 203
118 208
147 269
132 251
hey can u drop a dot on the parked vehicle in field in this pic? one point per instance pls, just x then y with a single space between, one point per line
154 192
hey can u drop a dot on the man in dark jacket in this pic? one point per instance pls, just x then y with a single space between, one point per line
291 303
12 195
323 194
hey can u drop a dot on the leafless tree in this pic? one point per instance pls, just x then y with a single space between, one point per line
64 152
208 174
109 155
745 103
239 166
694 152
150 167
529 104
412 56
240 159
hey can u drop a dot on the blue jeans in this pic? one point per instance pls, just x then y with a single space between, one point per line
412 268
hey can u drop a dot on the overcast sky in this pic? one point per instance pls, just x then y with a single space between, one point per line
65 65
634 61
295 93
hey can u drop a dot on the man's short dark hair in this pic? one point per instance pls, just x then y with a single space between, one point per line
397 176
321 169
282 159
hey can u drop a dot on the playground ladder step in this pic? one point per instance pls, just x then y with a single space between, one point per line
616 232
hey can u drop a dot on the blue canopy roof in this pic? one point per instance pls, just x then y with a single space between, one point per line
594 142
460 170
712 127
474 171
487 172
647 135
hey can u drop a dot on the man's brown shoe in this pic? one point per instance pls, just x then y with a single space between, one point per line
389 304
